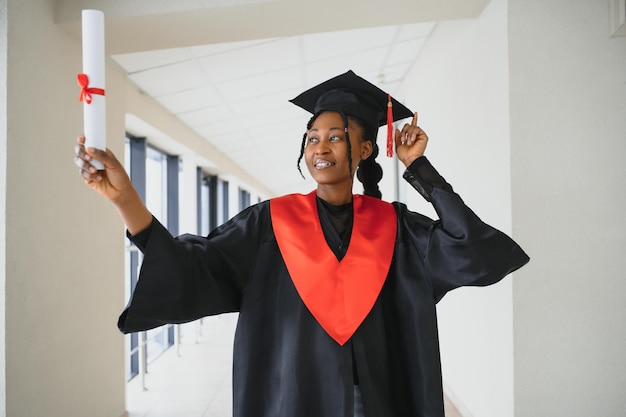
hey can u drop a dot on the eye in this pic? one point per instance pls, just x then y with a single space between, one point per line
336 139
312 139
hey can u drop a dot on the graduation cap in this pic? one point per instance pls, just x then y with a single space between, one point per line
357 97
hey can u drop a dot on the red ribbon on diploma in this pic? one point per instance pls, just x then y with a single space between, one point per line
85 90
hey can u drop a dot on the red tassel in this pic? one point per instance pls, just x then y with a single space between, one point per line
389 127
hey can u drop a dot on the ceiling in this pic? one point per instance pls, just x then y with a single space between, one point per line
235 94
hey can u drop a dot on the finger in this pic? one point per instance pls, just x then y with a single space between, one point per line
414 121
81 139
405 131
398 138
95 152
84 165
106 157
80 152
89 176
410 134
415 133
411 137
421 133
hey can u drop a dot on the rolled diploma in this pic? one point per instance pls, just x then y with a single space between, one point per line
94 114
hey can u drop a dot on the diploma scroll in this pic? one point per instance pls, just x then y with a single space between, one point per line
92 81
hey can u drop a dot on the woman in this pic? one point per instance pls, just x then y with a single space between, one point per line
336 292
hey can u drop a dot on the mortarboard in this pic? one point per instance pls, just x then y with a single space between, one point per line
357 97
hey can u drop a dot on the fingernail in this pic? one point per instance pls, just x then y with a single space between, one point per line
93 170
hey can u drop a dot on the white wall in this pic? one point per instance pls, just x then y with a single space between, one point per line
3 187
188 195
568 120
64 247
459 86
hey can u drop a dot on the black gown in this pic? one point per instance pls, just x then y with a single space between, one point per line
285 363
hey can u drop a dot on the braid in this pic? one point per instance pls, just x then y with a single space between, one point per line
345 123
370 173
301 155
303 144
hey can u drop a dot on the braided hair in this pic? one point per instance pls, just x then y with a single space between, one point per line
309 125
369 172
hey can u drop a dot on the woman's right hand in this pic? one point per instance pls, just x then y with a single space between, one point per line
112 182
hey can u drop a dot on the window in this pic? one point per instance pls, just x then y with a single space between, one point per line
244 199
156 184
207 196
155 175
204 195
213 202
223 208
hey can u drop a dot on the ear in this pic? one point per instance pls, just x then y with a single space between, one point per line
366 149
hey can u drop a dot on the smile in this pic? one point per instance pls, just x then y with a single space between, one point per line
322 163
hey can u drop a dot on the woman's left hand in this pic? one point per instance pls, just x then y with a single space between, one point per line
410 142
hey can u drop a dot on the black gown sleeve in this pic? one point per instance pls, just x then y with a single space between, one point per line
459 249
189 277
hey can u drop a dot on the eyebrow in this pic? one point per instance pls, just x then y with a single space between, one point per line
332 128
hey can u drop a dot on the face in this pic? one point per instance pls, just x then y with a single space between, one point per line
326 152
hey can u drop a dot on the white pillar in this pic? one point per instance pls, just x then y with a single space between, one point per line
3 189
188 213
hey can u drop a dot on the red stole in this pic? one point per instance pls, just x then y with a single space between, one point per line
338 294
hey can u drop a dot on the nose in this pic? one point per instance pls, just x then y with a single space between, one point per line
322 148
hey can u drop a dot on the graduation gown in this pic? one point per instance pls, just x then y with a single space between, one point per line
285 363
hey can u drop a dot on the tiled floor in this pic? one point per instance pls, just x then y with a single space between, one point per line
196 380
191 381
450 410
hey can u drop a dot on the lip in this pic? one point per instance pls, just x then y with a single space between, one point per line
322 163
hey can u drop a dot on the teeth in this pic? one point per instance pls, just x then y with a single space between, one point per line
325 164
